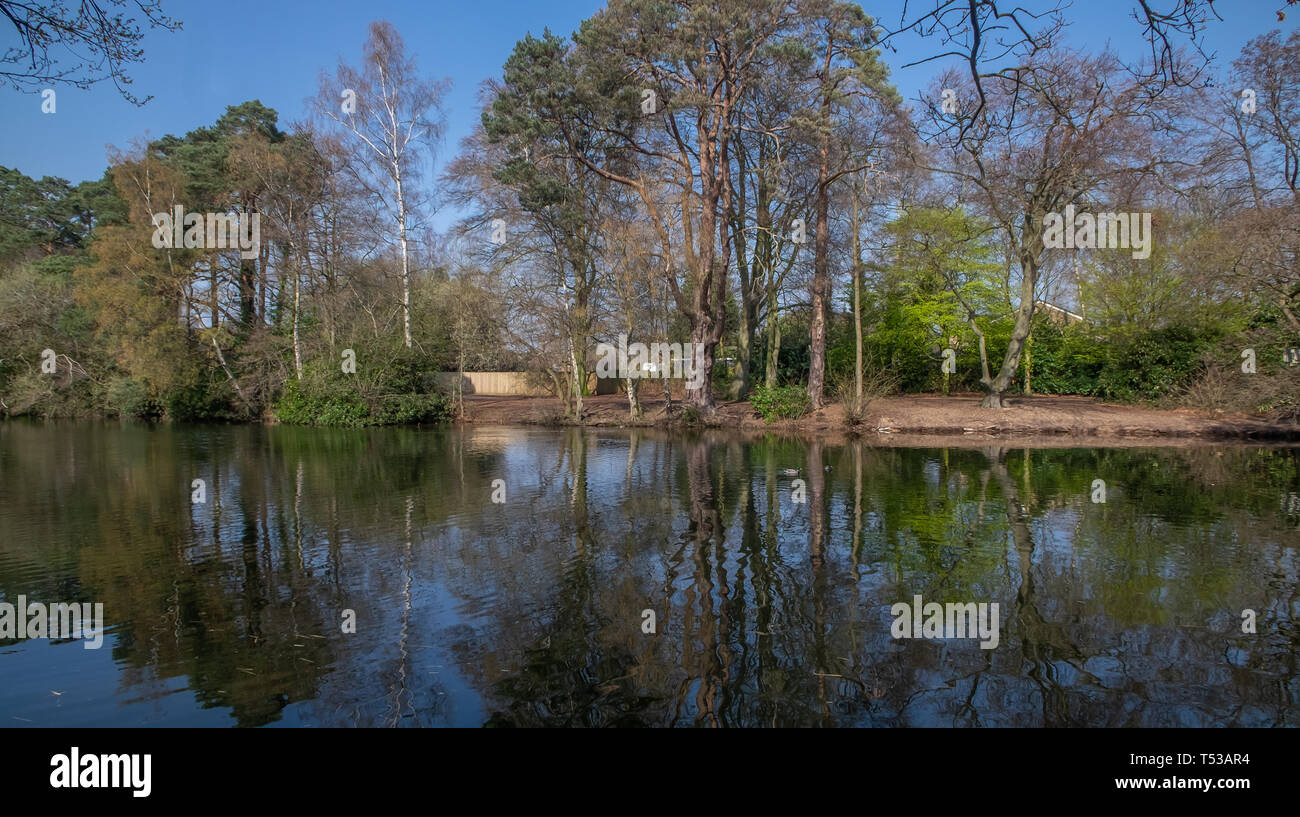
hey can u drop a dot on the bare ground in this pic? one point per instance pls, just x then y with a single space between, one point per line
910 417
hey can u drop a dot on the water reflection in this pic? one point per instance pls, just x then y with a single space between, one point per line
771 593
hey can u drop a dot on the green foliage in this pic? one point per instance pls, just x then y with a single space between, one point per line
410 409
130 398
37 217
399 394
320 401
200 401
1065 360
780 402
1152 365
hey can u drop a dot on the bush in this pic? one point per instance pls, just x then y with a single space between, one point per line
198 402
1065 360
130 398
1153 365
408 409
319 401
325 398
1221 389
780 402
877 382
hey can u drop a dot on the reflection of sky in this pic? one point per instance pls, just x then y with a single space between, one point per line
1111 607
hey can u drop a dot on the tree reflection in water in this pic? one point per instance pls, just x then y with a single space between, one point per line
769 611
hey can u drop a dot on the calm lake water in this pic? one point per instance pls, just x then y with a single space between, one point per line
528 611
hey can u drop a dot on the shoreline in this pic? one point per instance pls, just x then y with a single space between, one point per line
911 419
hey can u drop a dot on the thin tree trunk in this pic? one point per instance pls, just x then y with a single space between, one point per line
633 402
773 346
406 265
821 257
1029 364
222 360
857 310
297 309
820 285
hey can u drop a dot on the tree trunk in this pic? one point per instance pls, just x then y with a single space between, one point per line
821 255
577 351
996 388
406 264
703 347
247 293
1029 364
297 310
633 402
577 385
214 295
263 281
773 347
857 311
744 351
820 287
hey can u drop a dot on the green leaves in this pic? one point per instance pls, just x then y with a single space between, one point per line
780 402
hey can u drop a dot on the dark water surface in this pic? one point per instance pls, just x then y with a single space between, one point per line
528 611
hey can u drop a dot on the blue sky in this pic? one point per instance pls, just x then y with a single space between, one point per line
274 50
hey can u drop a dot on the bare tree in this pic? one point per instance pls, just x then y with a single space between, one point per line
1043 137
391 115
102 39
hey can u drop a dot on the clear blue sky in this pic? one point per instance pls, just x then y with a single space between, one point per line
273 51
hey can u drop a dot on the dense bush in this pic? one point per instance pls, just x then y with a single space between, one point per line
780 402
327 397
1064 360
908 339
199 401
1153 365
407 409
130 398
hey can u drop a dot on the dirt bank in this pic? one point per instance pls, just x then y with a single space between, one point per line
911 416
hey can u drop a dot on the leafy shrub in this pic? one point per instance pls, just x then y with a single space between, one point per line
780 402
199 401
326 398
1153 365
408 409
1064 360
130 398
321 401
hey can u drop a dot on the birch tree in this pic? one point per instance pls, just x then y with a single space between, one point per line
393 119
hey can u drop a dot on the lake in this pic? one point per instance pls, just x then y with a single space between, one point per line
515 576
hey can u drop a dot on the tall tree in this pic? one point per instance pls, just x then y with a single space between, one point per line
666 81
846 78
559 198
393 118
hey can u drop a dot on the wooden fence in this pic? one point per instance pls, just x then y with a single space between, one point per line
524 385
